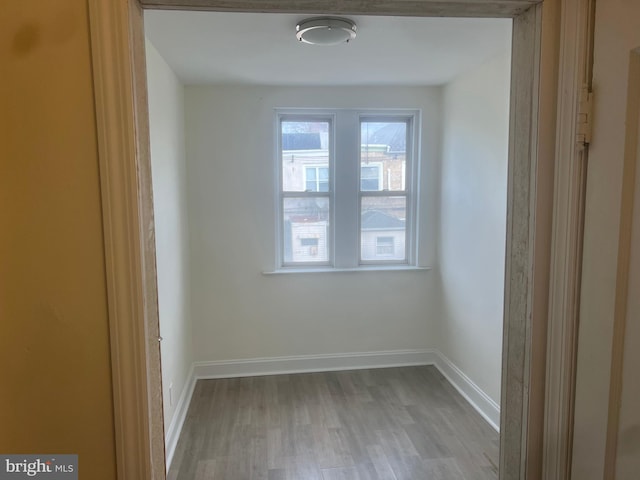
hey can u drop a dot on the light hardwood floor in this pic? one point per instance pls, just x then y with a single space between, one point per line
404 423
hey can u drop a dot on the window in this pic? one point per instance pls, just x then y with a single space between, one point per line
384 245
347 195
311 250
316 178
371 176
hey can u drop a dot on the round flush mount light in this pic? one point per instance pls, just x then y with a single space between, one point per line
326 31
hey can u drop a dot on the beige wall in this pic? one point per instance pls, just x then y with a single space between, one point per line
54 345
617 32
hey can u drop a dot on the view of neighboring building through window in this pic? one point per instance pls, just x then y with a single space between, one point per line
383 207
312 202
305 190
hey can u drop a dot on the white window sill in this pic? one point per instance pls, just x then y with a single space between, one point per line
364 268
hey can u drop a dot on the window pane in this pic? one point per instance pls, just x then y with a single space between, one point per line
383 155
370 177
304 145
383 228
306 229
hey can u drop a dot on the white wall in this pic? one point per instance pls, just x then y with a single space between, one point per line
240 313
166 119
473 221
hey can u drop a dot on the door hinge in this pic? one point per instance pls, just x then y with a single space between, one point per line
585 116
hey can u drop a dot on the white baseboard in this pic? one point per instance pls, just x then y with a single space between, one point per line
251 367
172 433
479 400
313 363
485 406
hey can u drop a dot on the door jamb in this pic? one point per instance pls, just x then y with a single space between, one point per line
120 90
575 74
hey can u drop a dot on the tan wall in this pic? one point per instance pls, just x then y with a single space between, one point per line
55 393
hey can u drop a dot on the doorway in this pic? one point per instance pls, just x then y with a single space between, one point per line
432 99
138 243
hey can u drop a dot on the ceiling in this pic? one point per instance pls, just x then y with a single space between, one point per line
261 49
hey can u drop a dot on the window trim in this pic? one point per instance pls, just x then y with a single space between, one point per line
411 182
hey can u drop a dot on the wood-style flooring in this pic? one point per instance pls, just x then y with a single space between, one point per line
404 423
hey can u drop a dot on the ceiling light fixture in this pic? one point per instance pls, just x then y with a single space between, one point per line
326 30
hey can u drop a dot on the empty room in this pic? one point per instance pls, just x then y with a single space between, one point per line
330 203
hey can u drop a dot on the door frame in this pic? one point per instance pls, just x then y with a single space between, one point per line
571 162
117 47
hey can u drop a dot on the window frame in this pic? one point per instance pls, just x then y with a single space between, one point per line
343 248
